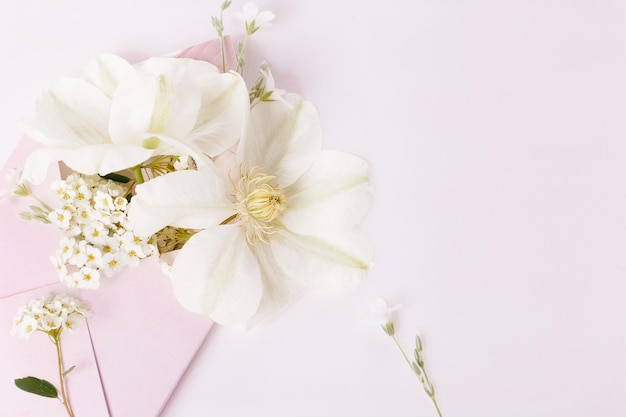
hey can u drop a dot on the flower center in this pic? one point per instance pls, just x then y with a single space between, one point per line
258 205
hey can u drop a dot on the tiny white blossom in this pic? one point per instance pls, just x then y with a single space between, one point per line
120 203
13 185
84 215
97 234
60 218
86 278
66 248
103 201
24 327
59 265
270 86
381 313
111 263
254 19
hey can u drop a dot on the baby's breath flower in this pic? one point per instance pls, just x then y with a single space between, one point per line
93 220
48 314
60 218
86 278
51 315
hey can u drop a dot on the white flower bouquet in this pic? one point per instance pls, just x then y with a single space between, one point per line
177 154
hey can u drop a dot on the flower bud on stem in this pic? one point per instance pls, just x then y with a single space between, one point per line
416 366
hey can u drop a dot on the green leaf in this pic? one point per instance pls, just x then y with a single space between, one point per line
37 386
69 370
36 209
116 177
26 216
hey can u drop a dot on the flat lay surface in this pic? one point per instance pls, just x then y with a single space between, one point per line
497 144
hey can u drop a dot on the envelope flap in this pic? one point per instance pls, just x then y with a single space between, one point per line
143 339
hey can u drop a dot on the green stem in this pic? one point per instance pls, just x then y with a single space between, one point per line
240 57
41 202
430 392
406 358
432 397
136 170
223 56
64 400
222 46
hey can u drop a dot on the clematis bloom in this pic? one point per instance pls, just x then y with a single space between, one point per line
118 115
286 221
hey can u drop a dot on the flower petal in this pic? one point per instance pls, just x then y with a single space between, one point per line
73 112
38 164
216 274
160 98
223 113
106 72
324 262
104 159
89 160
282 141
334 194
189 199
278 289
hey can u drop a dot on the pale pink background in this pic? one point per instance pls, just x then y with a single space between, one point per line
497 138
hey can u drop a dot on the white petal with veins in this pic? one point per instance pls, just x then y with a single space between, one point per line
217 274
188 199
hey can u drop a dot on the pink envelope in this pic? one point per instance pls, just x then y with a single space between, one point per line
132 350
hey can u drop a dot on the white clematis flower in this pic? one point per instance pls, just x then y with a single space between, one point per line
288 221
117 116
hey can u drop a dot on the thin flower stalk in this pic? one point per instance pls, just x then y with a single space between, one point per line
417 366
218 25
382 314
64 398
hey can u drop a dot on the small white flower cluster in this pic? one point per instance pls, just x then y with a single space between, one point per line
51 314
97 235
